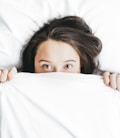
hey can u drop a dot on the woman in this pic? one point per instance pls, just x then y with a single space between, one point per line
63 45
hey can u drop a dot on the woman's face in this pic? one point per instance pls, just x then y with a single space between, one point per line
56 56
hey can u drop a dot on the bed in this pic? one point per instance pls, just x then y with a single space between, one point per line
58 105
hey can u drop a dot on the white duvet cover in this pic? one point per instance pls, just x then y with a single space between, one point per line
58 105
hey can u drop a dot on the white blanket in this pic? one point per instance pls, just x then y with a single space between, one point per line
59 105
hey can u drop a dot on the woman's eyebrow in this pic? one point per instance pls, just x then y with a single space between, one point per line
70 60
43 60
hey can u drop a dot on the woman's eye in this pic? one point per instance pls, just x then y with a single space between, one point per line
68 66
46 66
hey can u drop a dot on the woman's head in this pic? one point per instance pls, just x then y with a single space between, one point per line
73 32
56 56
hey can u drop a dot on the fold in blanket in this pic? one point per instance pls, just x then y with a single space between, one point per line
58 105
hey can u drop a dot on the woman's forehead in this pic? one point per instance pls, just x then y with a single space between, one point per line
57 48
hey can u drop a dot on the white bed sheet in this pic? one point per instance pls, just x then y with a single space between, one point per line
59 105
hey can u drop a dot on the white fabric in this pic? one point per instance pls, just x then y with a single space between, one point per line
59 105
22 17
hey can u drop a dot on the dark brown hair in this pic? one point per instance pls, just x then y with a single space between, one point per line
72 30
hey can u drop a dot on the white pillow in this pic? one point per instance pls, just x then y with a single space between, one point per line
103 17
9 47
22 18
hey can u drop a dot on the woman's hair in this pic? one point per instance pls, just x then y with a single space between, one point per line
72 30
